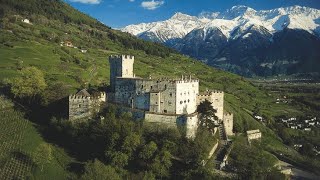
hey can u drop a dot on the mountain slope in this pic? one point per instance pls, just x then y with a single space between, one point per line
241 38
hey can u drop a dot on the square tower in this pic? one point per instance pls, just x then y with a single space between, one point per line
120 66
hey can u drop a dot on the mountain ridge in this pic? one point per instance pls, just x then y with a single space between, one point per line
242 34
274 20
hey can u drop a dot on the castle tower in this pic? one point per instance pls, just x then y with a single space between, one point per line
228 123
120 66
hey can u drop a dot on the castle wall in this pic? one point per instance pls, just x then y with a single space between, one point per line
125 89
79 107
166 120
155 102
192 125
142 101
216 98
186 96
173 121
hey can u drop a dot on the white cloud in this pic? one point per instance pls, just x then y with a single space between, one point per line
152 5
87 1
131 0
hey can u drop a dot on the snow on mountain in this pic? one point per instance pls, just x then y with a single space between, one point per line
177 26
243 17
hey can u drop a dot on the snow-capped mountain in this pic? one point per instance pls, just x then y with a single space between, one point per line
243 40
179 25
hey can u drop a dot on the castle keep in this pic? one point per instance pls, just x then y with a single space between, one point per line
170 102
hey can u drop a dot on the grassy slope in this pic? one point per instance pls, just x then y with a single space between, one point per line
19 140
28 43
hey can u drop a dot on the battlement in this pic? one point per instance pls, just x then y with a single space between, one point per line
77 97
92 97
180 80
121 57
228 114
209 93
186 81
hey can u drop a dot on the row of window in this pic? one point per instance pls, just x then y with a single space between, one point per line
184 101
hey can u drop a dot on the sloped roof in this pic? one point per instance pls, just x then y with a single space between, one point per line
83 92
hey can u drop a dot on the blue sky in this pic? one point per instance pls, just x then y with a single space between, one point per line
119 13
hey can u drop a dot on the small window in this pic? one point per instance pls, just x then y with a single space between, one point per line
188 100
141 86
185 101
165 111
150 87
181 102
170 94
156 94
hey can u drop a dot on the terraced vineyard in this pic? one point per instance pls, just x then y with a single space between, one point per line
18 142
15 161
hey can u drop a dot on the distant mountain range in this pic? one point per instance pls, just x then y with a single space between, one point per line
242 40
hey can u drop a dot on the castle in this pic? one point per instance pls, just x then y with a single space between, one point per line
170 102
83 105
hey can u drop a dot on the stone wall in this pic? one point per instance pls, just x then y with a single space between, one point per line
254 134
190 122
164 119
216 98
79 107
228 123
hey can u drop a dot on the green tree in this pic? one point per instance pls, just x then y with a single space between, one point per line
207 114
148 175
43 155
97 170
251 162
130 144
148 151
162 163
118 159
30 83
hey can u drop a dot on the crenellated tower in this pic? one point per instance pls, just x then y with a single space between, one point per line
120 66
